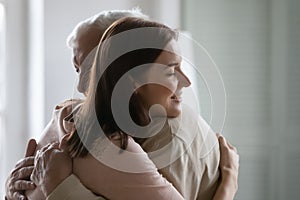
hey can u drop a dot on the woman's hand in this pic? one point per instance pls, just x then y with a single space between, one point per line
229 166
52 166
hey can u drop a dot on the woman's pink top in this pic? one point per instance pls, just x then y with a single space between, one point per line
128 174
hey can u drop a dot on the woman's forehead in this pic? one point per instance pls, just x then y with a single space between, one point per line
173 47
168 58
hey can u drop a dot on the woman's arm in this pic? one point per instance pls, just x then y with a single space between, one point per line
72 189
117 175
229 166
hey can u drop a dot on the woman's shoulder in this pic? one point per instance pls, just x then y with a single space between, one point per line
133 159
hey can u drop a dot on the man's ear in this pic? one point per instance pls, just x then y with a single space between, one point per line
135 83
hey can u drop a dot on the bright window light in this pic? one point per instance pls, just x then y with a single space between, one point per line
2 93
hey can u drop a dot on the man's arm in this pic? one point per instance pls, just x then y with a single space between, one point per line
51 167
229 166
18 180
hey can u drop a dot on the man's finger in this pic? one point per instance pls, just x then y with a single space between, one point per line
23 173
19 196
23 185
64 143
44 148
222 142
25 162
231 146
54 145
31 146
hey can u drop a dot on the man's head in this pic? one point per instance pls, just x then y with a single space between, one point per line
85 37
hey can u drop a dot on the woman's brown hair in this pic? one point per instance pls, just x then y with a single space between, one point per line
143 41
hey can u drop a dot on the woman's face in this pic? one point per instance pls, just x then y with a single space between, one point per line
167 82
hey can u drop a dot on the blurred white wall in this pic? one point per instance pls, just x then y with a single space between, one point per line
15 118
256 46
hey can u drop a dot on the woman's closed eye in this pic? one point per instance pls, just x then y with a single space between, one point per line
171 71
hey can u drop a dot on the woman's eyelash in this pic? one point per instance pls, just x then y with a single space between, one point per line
171 73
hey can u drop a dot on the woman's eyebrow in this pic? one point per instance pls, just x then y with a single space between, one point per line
173 64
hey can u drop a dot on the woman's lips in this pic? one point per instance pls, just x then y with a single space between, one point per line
176 98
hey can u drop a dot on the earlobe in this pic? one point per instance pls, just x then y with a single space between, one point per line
134 83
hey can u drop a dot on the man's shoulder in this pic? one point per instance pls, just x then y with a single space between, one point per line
195 132
68 103
64 110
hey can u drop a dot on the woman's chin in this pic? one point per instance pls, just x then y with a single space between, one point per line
173 113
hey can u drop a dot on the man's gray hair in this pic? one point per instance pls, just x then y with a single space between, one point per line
101 21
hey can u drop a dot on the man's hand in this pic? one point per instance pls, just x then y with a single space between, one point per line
18 179
52 166
229 162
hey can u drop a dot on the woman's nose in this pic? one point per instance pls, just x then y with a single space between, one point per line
183 80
